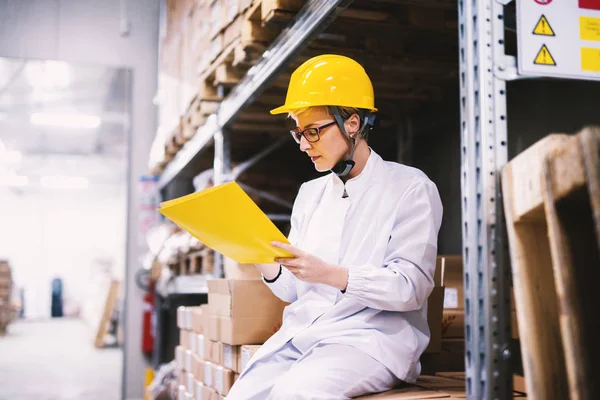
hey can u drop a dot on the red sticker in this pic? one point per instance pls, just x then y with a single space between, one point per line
590 4
546 2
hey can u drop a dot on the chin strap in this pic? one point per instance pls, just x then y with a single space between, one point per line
344 167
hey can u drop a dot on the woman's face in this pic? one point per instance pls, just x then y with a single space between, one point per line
332 145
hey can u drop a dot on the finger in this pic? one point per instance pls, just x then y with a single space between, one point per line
292 269
288 247
292 262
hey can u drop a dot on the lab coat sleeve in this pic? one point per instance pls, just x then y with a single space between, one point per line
284 286
405 280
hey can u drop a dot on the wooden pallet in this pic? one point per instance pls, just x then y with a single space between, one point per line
112 298
552 207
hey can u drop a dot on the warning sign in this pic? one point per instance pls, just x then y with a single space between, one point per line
589 28
559 38
544 57
590 59
589 4
543 27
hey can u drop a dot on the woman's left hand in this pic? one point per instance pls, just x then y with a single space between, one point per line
312 269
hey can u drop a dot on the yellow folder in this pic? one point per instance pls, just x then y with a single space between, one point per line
226 219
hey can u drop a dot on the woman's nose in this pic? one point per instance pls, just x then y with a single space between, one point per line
304 144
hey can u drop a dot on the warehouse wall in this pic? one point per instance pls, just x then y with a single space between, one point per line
66 234
88 31
536 108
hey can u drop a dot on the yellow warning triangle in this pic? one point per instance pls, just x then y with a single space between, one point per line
544 57
543 27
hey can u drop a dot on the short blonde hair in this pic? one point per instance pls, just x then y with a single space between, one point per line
345 113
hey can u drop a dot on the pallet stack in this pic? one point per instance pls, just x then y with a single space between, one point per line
7 312
206 49
218 339
551 195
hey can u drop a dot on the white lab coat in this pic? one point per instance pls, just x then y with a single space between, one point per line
386 232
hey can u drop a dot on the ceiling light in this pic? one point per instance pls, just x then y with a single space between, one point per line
75 121
14 181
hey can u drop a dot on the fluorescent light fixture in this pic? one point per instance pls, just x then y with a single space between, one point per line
14 181
10 156
64 182
75 121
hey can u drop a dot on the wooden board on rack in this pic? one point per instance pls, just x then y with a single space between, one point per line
533 280
571 194
552 205
109 306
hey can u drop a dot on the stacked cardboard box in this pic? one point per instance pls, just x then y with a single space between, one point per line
217 340
7 312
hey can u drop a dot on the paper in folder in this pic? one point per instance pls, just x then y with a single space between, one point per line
226 219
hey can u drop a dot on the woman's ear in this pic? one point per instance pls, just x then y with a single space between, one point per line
352 125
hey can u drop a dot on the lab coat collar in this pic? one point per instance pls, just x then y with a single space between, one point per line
357 184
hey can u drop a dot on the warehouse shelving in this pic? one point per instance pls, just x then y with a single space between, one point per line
483 64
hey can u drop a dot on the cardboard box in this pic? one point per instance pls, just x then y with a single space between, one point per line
450 358
222 379
199 390
190 386
199 371
235 270
210 394
200 346
453 323
217 353
184 339
229 356
205 320
242 298
238 331
196 361
208 374
181 317
214 328
180 356
452 280
188 361
246 353
188 318
434 317
198 320
207 349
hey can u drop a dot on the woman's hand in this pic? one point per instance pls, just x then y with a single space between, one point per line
312 269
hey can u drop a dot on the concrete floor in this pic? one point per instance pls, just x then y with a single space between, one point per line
56 360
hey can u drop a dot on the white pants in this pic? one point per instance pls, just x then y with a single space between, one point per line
328 372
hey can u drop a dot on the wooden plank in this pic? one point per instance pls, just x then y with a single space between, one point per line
109 306
533 281
278 11
576 258
227 75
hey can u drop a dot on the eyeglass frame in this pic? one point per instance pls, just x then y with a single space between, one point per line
297 133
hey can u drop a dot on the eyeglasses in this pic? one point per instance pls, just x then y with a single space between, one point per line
311 134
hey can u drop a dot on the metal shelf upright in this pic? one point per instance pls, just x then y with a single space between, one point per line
484 68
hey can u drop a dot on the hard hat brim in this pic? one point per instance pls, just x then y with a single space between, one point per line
286 109
280 110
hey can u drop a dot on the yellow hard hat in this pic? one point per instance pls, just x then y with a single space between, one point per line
329 80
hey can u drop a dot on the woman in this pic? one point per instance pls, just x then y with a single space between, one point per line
364 241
